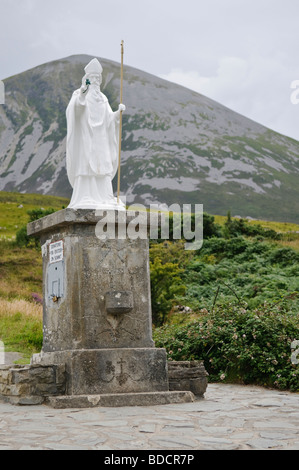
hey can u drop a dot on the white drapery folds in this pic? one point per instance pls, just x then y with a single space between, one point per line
92 146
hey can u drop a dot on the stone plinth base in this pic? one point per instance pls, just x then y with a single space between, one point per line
53 384
30 384
188 375
120 399
97 322
104 371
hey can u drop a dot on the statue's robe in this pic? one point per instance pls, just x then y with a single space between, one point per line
92 148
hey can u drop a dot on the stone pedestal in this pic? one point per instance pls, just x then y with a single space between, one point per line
188 375
97 311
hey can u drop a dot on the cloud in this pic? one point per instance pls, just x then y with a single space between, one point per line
257 87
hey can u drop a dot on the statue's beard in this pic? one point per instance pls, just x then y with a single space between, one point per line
95 81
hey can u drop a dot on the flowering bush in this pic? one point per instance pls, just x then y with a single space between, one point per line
237 344
37 298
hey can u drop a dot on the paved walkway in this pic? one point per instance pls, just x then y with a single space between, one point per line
229 417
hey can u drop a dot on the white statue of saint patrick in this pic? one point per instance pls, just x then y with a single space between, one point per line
92 146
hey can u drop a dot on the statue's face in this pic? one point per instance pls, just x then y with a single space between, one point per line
95 78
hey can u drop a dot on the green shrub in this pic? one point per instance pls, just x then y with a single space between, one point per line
22 239
238 345
166 284
237 227
284 256
176 225
242 269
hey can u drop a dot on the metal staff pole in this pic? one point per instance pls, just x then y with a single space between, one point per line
120 117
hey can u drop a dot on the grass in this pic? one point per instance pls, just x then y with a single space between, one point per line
21 328
281 227
294 244
20 272
289 231
20 295
21 275
14 207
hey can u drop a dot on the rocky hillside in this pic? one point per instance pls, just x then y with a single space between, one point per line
178 146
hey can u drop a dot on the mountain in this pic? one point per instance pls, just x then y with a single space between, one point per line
178 146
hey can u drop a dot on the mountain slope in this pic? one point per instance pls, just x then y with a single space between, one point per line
178 146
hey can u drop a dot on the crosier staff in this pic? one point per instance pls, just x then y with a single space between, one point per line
120 117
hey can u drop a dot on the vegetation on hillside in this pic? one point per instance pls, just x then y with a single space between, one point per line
21 271
234 303
14 209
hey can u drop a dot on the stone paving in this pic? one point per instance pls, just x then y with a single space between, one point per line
229 417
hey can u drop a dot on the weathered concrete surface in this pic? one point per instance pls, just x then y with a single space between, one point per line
116 370
88 378
94 272
69 217
29 385
97 310
11 358
120 399
188 375
229 417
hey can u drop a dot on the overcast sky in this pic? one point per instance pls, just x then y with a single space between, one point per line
241 53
